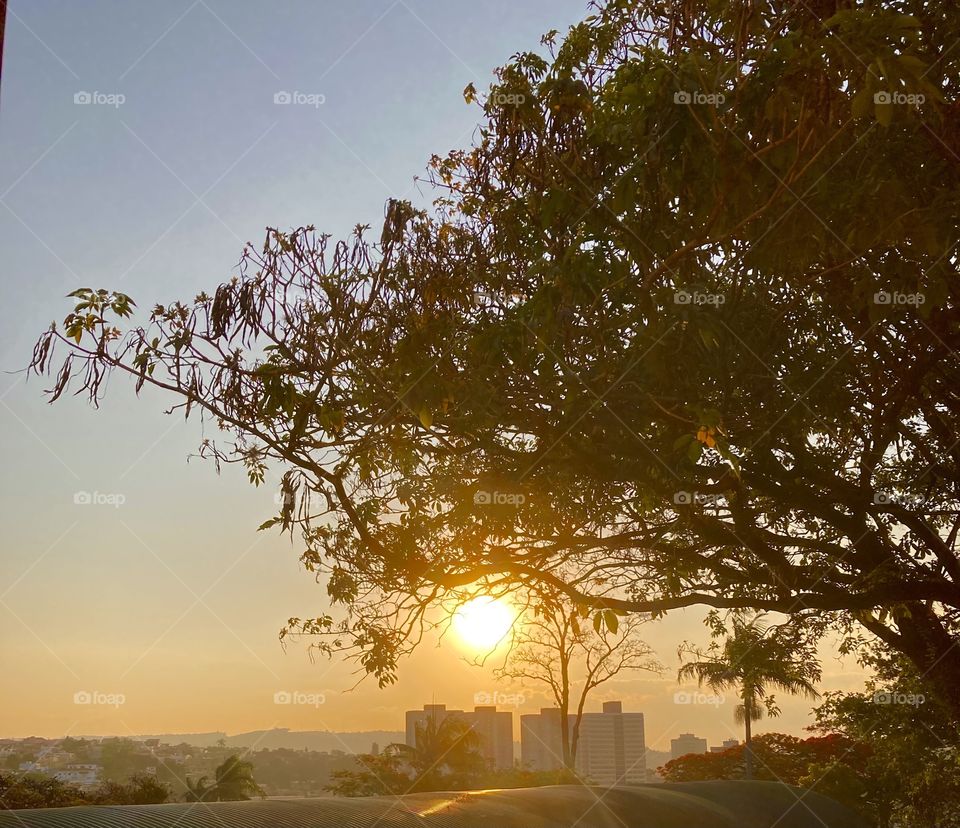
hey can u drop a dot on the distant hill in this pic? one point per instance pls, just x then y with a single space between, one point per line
323 740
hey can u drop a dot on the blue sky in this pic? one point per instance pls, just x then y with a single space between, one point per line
152 188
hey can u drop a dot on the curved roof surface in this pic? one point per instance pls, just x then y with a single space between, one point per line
685 805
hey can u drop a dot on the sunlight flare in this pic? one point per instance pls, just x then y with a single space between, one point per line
482 623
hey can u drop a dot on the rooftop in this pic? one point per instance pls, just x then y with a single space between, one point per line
686 805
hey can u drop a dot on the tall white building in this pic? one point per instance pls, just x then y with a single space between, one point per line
541 746
611 748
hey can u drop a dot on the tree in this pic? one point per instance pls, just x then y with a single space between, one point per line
198 790
912 766
558 648
378 774
39 791
446 756
836 765
139 789
233 780
289 772
36 791
688 308
122 758
752 658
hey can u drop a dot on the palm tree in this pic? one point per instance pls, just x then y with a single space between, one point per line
234 781
447 751
755 657
197 790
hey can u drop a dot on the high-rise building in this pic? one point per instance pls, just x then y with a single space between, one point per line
541 745
494 727
687 743
726 745
610 748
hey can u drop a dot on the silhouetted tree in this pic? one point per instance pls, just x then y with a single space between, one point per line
233 780
557 645
752 659
692 294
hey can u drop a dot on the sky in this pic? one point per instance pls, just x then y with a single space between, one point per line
141 145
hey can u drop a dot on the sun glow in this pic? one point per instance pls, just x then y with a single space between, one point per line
483 622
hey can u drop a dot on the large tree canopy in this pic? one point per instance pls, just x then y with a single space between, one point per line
680 330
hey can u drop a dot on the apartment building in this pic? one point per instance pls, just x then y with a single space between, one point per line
611 749
687 743
494 727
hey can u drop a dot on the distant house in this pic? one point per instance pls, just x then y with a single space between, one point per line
82 775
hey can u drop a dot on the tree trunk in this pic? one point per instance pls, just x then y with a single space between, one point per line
748 741
565 734
565 739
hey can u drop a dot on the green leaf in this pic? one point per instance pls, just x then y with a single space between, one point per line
682 441
884 113
862 102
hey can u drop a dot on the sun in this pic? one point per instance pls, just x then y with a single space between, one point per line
483 622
